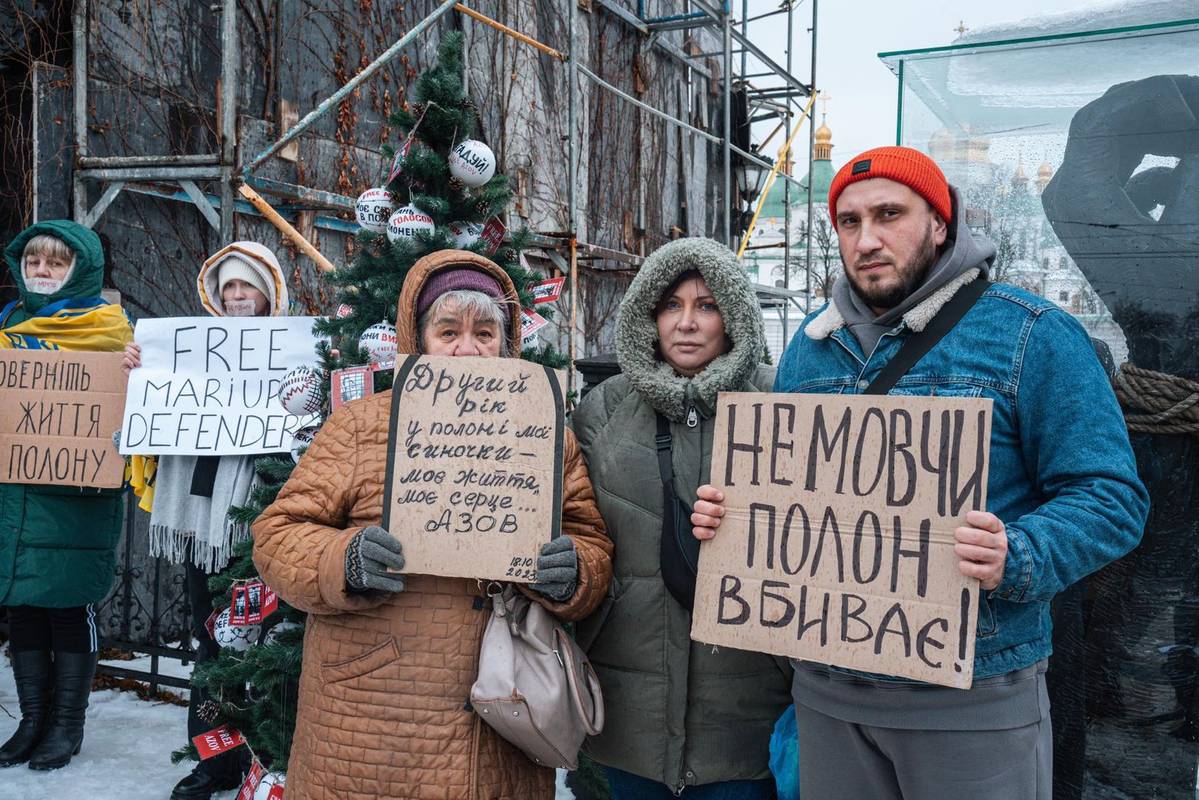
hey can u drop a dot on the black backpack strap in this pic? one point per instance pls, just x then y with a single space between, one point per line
918 344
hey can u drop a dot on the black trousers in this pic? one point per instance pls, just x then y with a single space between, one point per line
66 630
230 765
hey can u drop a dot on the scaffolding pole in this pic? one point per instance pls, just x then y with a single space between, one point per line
727 186
572 167
230 76
811 153
786 314
331 102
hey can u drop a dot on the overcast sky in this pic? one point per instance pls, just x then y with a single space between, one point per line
861 109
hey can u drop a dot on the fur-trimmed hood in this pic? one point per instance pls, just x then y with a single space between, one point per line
261 259
637 333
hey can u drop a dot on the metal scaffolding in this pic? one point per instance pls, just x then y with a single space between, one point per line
147 174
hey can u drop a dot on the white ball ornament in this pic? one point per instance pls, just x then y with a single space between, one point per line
379 341
301 440
373 208
407 222
269 781
278 629
234 637
465 233
300 391
472 162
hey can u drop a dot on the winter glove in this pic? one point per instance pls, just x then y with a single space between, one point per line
557 569
371 561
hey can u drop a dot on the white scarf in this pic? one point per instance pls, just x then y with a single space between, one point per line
180 518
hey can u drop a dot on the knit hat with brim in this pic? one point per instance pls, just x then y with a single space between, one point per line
900 164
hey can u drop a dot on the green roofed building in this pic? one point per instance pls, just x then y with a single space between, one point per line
764 263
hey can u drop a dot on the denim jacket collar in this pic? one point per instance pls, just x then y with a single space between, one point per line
830 319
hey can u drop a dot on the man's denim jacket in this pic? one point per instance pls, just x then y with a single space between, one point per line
1062 474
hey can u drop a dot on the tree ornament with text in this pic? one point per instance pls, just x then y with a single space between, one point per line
472 162
373 209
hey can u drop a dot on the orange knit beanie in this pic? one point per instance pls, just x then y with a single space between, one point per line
901 164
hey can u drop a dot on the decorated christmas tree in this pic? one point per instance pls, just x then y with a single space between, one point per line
441 192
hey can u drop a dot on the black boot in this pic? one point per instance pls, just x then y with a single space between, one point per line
31 668
202 783
73 673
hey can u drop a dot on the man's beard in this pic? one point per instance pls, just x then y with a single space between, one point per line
911 275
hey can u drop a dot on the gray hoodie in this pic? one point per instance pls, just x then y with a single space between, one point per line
963 251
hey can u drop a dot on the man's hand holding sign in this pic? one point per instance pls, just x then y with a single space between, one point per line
853 531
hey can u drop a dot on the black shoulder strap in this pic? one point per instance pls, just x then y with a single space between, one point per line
916 345
662 442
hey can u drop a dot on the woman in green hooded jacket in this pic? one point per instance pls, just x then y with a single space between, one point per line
57 543
681 716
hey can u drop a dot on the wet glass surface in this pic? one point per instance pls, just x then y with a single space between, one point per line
1080 158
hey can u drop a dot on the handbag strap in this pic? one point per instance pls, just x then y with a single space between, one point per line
918 344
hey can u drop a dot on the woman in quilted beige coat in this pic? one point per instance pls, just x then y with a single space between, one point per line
383 709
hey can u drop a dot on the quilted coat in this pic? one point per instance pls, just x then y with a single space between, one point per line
383 696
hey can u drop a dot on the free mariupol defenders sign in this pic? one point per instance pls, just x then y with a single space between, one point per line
474 465
837 543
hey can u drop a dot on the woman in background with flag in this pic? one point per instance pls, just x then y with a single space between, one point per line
57 543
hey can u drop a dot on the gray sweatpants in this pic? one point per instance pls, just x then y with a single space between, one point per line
845 761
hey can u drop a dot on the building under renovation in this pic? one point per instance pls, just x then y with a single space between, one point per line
173 127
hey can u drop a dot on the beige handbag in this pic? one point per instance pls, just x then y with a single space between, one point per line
535 685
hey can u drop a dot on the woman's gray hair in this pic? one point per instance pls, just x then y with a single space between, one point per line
469 303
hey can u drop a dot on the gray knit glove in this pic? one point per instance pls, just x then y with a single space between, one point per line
557 569
371 561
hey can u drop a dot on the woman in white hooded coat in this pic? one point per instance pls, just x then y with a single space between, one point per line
189 497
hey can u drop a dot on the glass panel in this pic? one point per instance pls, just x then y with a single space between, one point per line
1079 157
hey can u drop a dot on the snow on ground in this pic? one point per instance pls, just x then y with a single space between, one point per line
127 747
126 754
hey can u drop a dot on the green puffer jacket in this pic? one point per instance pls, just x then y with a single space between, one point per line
57 543
677 711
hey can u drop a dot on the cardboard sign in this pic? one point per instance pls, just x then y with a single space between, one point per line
474 468
58 417
547 291
492 235
217 741
209 385
837 541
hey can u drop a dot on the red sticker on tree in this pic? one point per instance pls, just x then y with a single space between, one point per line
237 607
547 291
493 235
210 623
350 383
217 741
250 785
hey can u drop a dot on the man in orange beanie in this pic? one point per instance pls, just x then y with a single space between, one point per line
1063 496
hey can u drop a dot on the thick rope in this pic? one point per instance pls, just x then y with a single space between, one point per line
1157 402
